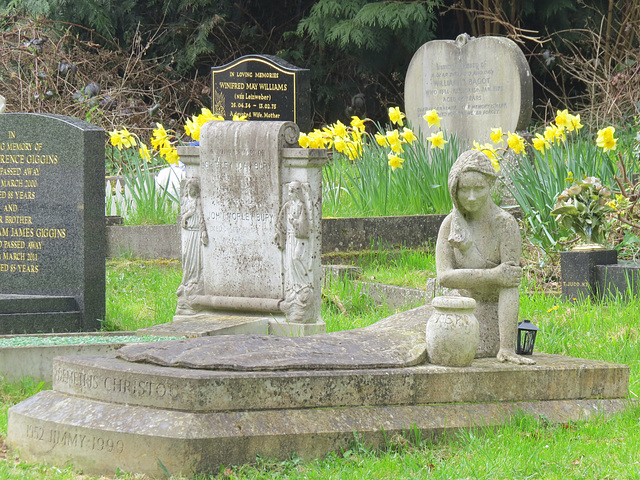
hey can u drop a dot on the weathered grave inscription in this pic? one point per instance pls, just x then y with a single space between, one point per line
475 84
52 233
262 87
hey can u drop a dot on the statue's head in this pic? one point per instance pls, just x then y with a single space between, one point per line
471 179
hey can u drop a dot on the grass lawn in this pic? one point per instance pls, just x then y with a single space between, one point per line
143 293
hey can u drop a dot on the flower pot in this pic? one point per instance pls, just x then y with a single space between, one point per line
453 332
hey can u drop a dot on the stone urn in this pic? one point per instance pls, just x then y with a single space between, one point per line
453 332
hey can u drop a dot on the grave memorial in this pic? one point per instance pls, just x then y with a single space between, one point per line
200 404
475 84
262 87
251 233
52 230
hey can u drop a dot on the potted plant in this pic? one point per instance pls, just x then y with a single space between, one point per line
583 208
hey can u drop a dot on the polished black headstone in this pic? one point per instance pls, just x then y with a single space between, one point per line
578 271
52 228
262 87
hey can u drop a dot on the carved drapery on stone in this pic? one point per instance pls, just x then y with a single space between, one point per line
294 237
194 237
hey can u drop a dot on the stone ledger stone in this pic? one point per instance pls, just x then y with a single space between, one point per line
475 84
52 235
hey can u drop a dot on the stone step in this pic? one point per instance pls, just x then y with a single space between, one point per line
99 437
554 377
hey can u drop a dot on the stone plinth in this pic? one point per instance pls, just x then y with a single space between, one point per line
106 414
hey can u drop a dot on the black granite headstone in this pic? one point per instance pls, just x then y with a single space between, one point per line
262 87
579 273
618 281
52 228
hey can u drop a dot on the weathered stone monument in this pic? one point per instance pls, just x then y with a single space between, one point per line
262 87
196 405
251 232
475 84
52 227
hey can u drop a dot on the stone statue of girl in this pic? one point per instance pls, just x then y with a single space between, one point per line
478 253
194 237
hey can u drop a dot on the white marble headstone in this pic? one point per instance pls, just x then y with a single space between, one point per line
475 84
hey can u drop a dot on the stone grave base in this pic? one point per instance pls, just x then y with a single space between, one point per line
233 323
105 413
20 314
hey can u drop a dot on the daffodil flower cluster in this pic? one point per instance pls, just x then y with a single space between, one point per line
344 139
163 141
583 208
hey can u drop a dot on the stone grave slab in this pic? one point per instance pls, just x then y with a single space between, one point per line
262 87
475 84
52 235
105 413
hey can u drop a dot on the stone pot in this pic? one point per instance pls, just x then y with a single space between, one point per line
453 332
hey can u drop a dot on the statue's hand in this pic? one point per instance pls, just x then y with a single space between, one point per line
508 275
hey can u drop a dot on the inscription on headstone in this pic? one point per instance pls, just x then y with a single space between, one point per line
52 231
262 87
475 84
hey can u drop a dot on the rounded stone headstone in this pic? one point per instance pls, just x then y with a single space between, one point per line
453 332
475 84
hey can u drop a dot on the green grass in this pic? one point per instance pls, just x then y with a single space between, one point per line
523 449
140 293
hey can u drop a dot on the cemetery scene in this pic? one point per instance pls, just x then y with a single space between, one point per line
359 240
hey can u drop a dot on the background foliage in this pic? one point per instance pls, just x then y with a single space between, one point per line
584 55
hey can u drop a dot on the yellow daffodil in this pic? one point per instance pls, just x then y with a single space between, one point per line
381 139
432 118
408 136
437 140
160 137
395 161
192 128
303 140
540 143
169 153
574 123
490 151
606 140
515 142
122 139
144 152
339 129
393 138
357 123
396 116
339 144
563 118
316 140
239 118
496 135
353 150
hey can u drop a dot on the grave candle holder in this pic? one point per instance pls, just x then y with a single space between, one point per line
526 337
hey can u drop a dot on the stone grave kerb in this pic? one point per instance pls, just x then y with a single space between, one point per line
261 197
475 84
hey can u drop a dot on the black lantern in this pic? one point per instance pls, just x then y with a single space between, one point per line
526 337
